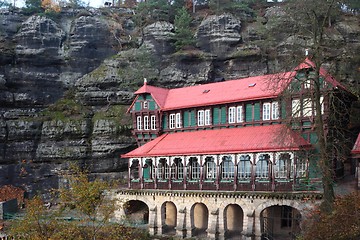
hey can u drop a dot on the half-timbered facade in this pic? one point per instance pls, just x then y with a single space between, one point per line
253 135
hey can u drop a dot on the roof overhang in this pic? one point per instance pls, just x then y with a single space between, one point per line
271 138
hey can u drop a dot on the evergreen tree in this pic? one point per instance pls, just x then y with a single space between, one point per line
183 34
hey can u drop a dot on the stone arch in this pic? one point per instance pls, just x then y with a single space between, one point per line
280 222
199 219
136 212
168 217
233 220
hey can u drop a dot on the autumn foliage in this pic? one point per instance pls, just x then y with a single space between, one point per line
343 223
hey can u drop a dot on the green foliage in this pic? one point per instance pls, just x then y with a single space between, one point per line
232 6
84 213
343 223
151 11
76 3
184 37
4 4
33 6
65 108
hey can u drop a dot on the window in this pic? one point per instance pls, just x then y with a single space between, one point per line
274 110
295 107
148 169
139 123
146 123
201 118
231 115
210 168
286 216
172 121
146 104
307 109
153 122
178 120
262 166
207 117
227 168
162 170
177 169
266 111
301 168
239 114
307 83
244 167
134 169
193 168
284 166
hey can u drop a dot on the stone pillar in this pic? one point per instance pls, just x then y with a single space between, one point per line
221 225
153 227
257 225
181 223
248 225
213 224
189 227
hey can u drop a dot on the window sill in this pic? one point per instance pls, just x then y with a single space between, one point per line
160 180
209 181
148 180
226 181
244 181
263 181
283 180
193 181
177 181
135 180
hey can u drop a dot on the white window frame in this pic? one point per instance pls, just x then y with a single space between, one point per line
153 122
266 111
178 120
227 169
239 114
262 172
244 171
207 117
275 110
172 121
284 167
146 122
139 123
301 168
295 107
210 169
200 117
145 104
307 107
231 115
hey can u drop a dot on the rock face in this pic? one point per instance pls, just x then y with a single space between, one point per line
66 84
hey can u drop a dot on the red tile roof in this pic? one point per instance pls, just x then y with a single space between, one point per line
307 63
252 88
158 94
356 148
219 141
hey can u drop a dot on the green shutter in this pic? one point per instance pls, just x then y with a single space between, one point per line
215 115
151 105
137 106
193 119
164 122
186 119
283 109
248 113
313 138
257 112
223 115
148 97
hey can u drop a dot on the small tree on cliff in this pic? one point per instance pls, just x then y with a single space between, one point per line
183 35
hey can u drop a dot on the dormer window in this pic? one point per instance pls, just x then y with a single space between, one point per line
146 105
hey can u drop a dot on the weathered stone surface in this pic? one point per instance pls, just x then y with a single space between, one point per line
219 34
158 37
60 150
59 129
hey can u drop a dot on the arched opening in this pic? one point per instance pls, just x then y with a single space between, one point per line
199 219
280 222
233 221
136 212
168 217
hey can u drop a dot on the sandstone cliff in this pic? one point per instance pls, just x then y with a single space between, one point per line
65 84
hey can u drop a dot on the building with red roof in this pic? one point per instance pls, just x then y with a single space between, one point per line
255 134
